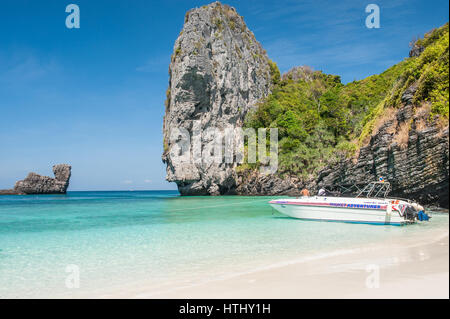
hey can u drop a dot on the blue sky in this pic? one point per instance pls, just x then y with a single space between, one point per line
94 97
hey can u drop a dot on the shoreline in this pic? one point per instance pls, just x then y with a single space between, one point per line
389 269
278 258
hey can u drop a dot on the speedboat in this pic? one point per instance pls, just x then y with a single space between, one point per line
359 209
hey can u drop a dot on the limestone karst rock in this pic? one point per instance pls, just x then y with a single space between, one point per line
218 72
37 184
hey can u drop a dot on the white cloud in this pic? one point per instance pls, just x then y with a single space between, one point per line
18 68
154 64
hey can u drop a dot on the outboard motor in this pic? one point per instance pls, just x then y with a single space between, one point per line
410 213
422 216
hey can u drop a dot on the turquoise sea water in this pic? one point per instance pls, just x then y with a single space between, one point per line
122 238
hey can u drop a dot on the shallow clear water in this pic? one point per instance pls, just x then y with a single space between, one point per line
117 238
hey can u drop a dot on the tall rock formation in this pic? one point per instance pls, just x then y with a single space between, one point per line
37 184
218 72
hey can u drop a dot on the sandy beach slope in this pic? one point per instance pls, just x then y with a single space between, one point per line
408 269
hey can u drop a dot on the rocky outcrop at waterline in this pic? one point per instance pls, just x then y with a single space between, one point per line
9 192
218 72
38 184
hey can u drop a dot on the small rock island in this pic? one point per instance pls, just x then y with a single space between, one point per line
38 184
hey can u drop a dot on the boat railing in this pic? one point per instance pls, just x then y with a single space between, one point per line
372 189
375 189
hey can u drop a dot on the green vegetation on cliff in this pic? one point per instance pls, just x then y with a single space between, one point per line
319 118
429 72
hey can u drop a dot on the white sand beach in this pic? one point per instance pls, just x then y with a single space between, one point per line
408 269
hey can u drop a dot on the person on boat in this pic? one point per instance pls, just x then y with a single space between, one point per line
304 192
322 192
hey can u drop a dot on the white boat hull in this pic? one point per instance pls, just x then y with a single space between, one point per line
372 214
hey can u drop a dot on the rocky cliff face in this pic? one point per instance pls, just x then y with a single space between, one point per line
37 184
411 154
408 150
217 73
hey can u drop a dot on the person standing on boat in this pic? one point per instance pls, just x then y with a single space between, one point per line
304 192
322 192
